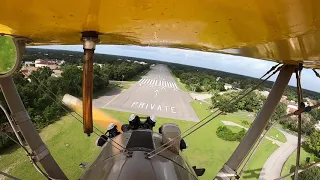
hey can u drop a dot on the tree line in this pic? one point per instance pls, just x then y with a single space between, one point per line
201 80
197 81
38 92
251 102
204 80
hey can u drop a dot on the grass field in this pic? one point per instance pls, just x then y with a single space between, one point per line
218 151
208 100
66 142
180 84
122 84
70 146
274 133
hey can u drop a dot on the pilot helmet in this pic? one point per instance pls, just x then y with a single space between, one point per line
153 118
134 121
111 126
132 117
150 122
113 131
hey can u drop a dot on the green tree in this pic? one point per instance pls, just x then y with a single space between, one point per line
281 110
252 102
71 80
308 123
307 126
221 102
315 113
41 74
313 142
310 174
100 79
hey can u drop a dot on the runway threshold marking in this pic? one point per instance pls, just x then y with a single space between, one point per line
113 99
155 82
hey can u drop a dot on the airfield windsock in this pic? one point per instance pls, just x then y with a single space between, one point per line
99 117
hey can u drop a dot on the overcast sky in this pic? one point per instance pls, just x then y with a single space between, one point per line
235 64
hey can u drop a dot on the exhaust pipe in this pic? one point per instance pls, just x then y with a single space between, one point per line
89 38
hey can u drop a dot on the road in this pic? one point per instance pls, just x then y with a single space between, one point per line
273 166
156 93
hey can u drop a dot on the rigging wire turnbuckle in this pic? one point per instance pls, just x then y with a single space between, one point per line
89 39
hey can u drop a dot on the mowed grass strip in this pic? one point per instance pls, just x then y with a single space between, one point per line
68 145
213 152
66 142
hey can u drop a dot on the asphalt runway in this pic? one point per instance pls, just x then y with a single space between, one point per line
155 94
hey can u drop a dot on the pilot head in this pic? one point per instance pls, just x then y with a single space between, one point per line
150 122
112 130
134 122
111 126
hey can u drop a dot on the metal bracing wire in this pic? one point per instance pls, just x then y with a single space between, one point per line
234 101
56 100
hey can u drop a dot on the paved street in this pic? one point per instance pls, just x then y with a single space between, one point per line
273 166
156 93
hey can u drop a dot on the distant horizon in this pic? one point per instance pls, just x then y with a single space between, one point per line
249 67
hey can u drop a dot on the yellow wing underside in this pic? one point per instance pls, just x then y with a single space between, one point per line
277 30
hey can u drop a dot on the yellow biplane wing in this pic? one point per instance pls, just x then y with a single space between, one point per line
278 30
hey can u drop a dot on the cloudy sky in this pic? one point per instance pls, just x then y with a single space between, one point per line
238 65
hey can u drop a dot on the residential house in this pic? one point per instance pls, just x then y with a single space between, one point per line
56 73
29 63
291 108
26 71
265 93
41 63
97 64
227 86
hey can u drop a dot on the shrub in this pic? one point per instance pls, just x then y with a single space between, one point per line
5 141
310 174
241 134
226 134
244 122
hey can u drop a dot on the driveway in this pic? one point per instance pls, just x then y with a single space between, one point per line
273 166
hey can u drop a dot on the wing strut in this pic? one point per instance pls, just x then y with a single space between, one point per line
228 171
22 119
